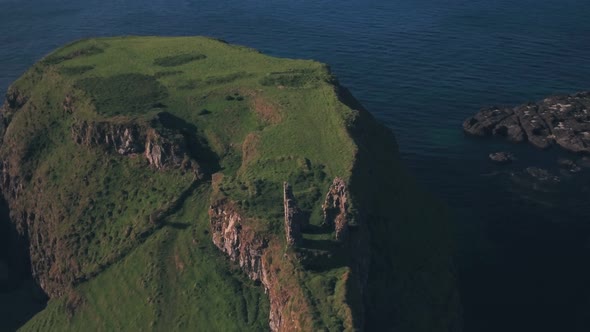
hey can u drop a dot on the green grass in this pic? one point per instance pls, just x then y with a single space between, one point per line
176 281
76 70
78 52
259 121
177 60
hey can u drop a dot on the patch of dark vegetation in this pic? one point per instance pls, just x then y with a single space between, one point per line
294 71
204 111
177 60
75 70
159 105
294 78
87 51
190 85
238 97
235 96
310 181
212 80
167 73
124 94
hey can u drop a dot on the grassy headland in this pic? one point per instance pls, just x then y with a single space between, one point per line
121 245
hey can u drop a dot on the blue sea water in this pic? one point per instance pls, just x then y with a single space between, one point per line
421 67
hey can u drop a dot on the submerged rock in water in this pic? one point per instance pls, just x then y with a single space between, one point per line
562 120
569 165
541 174
501 157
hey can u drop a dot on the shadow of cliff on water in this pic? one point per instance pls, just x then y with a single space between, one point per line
20 297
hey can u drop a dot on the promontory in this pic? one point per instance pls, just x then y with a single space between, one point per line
183 183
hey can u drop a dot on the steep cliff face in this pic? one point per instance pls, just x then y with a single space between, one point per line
141 191
255 254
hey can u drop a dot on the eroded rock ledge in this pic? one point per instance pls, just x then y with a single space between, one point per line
563 120
162 147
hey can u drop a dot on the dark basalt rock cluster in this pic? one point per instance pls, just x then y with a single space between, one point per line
563 120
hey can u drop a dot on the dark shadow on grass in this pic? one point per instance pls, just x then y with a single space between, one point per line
198 147
321 256
324 245
315 229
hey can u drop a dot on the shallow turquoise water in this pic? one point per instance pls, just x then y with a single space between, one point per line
420 66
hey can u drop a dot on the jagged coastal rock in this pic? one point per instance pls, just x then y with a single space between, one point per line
199 185
560 120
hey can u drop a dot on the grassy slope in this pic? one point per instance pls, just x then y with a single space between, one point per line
176 280
268 120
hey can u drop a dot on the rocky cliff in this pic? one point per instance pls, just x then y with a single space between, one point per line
259 195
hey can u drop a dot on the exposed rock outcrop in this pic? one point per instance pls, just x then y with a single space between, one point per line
123 138
13 101
252 252
561 120
239 244
335 208
163 148
165 151
294 218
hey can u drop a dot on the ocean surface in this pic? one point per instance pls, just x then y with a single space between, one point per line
421 67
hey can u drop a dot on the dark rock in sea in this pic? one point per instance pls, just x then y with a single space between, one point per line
566 163
569 165
584 162
563 120
541 174
501 157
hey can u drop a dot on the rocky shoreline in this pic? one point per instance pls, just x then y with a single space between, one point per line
562 120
